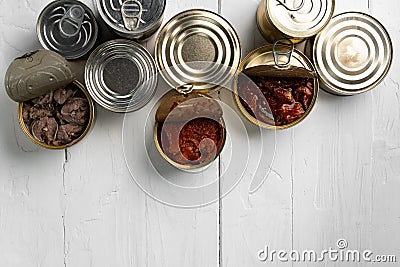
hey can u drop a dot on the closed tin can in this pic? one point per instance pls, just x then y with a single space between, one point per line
293 19
197 47
67 27
121 75
189 132
285 64
352 54
132 19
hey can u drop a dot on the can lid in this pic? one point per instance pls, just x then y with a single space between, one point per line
120 75
67 27
352 54
131 17
197 47
300 18
36 74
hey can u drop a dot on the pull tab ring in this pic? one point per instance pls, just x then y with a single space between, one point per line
70 24
291 9
279 54
131 11
185 89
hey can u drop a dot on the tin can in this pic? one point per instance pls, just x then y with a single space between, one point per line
67 27
197 47
189 132
282 61
132 19
75 85
121 75
353 54
293 19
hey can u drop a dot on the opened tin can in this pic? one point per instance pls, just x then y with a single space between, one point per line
276 86
132 19
67 27
352 54
197 47
121 75
293 19
189 132
55 111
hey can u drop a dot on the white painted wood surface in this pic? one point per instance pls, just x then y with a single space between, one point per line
336 175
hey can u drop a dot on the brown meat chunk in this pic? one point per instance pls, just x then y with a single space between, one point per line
41 111
45 130
62 95
75 110
44 100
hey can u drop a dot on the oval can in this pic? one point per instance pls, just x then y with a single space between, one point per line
294 20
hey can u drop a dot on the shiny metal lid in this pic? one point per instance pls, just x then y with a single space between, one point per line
132 18
120 75
300 18
197 47
352 54
67 27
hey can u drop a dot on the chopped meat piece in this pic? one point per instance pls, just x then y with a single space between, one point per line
62 95
41 111
75 110
45 130
68 132
303 94
44 100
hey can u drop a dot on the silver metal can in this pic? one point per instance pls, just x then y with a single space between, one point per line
293 19
121 75
352 54
67 27
197 47
132 19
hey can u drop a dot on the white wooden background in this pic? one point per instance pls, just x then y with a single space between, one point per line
336 175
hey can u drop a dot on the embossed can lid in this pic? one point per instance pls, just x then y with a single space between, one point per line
197 47
120 75
67 27
352 54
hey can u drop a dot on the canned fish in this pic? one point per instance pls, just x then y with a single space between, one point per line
121 75
293 19
197 47
190 131
67 27
132 19
352 54
276 86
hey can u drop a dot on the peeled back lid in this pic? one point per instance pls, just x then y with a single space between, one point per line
36 74
352 54
300 18
131 17
197 47
67 27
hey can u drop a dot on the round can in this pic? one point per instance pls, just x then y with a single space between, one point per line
36 74
120 75
179 113
27 132
353 54
132 19
265 56
197 47
67 27
293 19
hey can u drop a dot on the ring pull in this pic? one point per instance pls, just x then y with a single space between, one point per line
185 89
132 11
291 9
70 24
279 54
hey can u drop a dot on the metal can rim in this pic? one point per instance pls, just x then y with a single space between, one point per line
83 135
262 124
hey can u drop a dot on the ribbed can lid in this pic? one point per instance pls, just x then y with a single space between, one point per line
67 27
300 18
197 47
352 54
120 75
134 19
